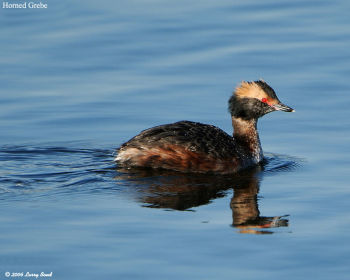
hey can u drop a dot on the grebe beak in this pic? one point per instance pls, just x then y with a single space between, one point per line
282 107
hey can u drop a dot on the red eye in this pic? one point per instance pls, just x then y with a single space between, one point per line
264 100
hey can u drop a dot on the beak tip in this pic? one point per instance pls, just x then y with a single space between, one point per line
283 108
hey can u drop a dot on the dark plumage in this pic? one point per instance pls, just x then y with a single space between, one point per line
196 147
192 136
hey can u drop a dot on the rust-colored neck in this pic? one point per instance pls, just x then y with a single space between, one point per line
246 136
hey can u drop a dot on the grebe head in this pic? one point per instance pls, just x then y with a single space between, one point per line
252 100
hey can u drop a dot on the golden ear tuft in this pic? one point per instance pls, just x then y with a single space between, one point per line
250 90
243 88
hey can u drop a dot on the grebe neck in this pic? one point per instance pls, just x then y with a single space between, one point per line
246 137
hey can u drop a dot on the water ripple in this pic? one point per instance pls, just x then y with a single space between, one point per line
54 169
31 169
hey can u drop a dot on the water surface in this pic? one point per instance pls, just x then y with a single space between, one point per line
80 78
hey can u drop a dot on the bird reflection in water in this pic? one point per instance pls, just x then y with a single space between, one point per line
181 191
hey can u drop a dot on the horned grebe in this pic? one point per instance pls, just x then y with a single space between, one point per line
195 147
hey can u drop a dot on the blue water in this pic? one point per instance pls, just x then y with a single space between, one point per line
81 77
